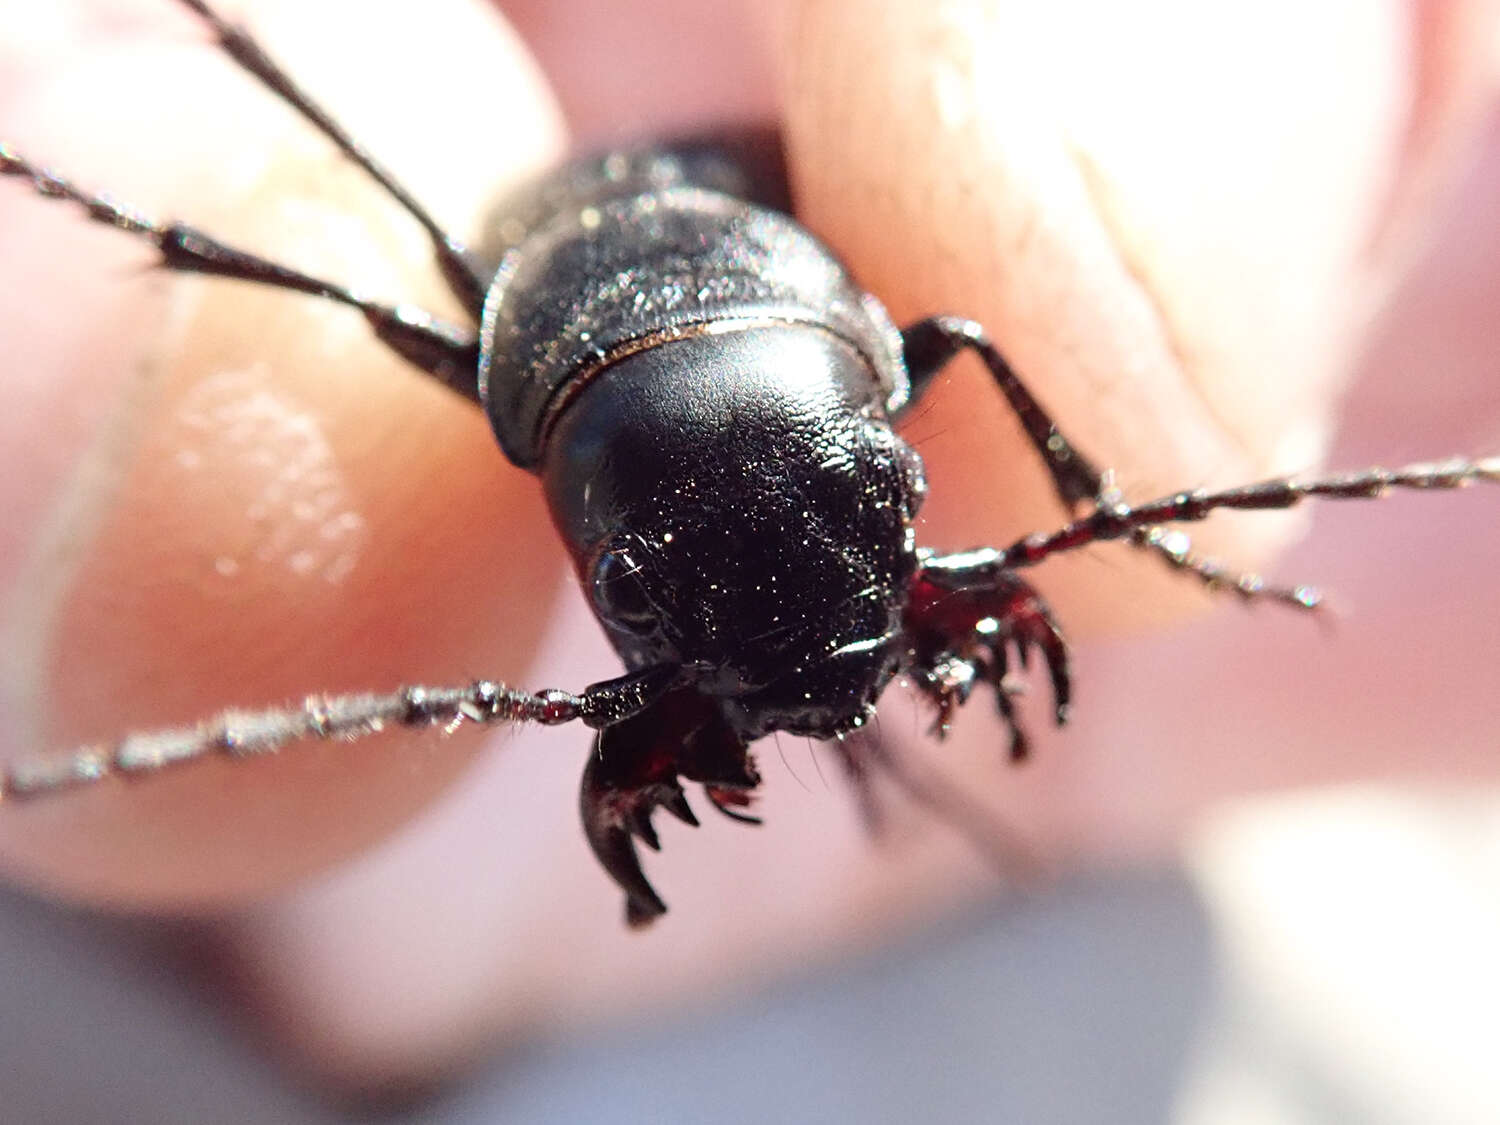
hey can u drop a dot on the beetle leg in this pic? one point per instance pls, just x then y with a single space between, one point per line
458 267
447 352
928 345
638 765
963 620
866 756
948 683
857 754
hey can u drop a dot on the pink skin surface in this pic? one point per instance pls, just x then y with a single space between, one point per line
1185 233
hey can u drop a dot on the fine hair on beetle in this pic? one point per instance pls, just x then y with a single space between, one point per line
709 402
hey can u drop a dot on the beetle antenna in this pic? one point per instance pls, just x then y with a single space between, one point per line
244 734
929 344
1120 520
457 265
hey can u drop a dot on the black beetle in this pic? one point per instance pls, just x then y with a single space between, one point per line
708 398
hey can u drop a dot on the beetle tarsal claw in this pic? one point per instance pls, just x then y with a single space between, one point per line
966 619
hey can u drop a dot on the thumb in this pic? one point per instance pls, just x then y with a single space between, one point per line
226 495
1174 219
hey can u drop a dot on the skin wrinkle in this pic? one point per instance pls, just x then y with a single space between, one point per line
1092 180
1426 131
1417 134
1019 335
64 539
960 84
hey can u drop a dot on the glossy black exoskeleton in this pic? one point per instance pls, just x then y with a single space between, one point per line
708 399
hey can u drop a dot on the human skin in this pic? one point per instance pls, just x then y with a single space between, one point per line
1182 256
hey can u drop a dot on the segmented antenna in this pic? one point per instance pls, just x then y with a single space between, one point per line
1119 520
929 344
244 734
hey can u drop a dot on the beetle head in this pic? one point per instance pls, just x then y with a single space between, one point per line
738 505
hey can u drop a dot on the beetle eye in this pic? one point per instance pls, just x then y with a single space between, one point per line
619 593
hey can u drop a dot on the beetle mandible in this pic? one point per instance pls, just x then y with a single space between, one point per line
708 398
